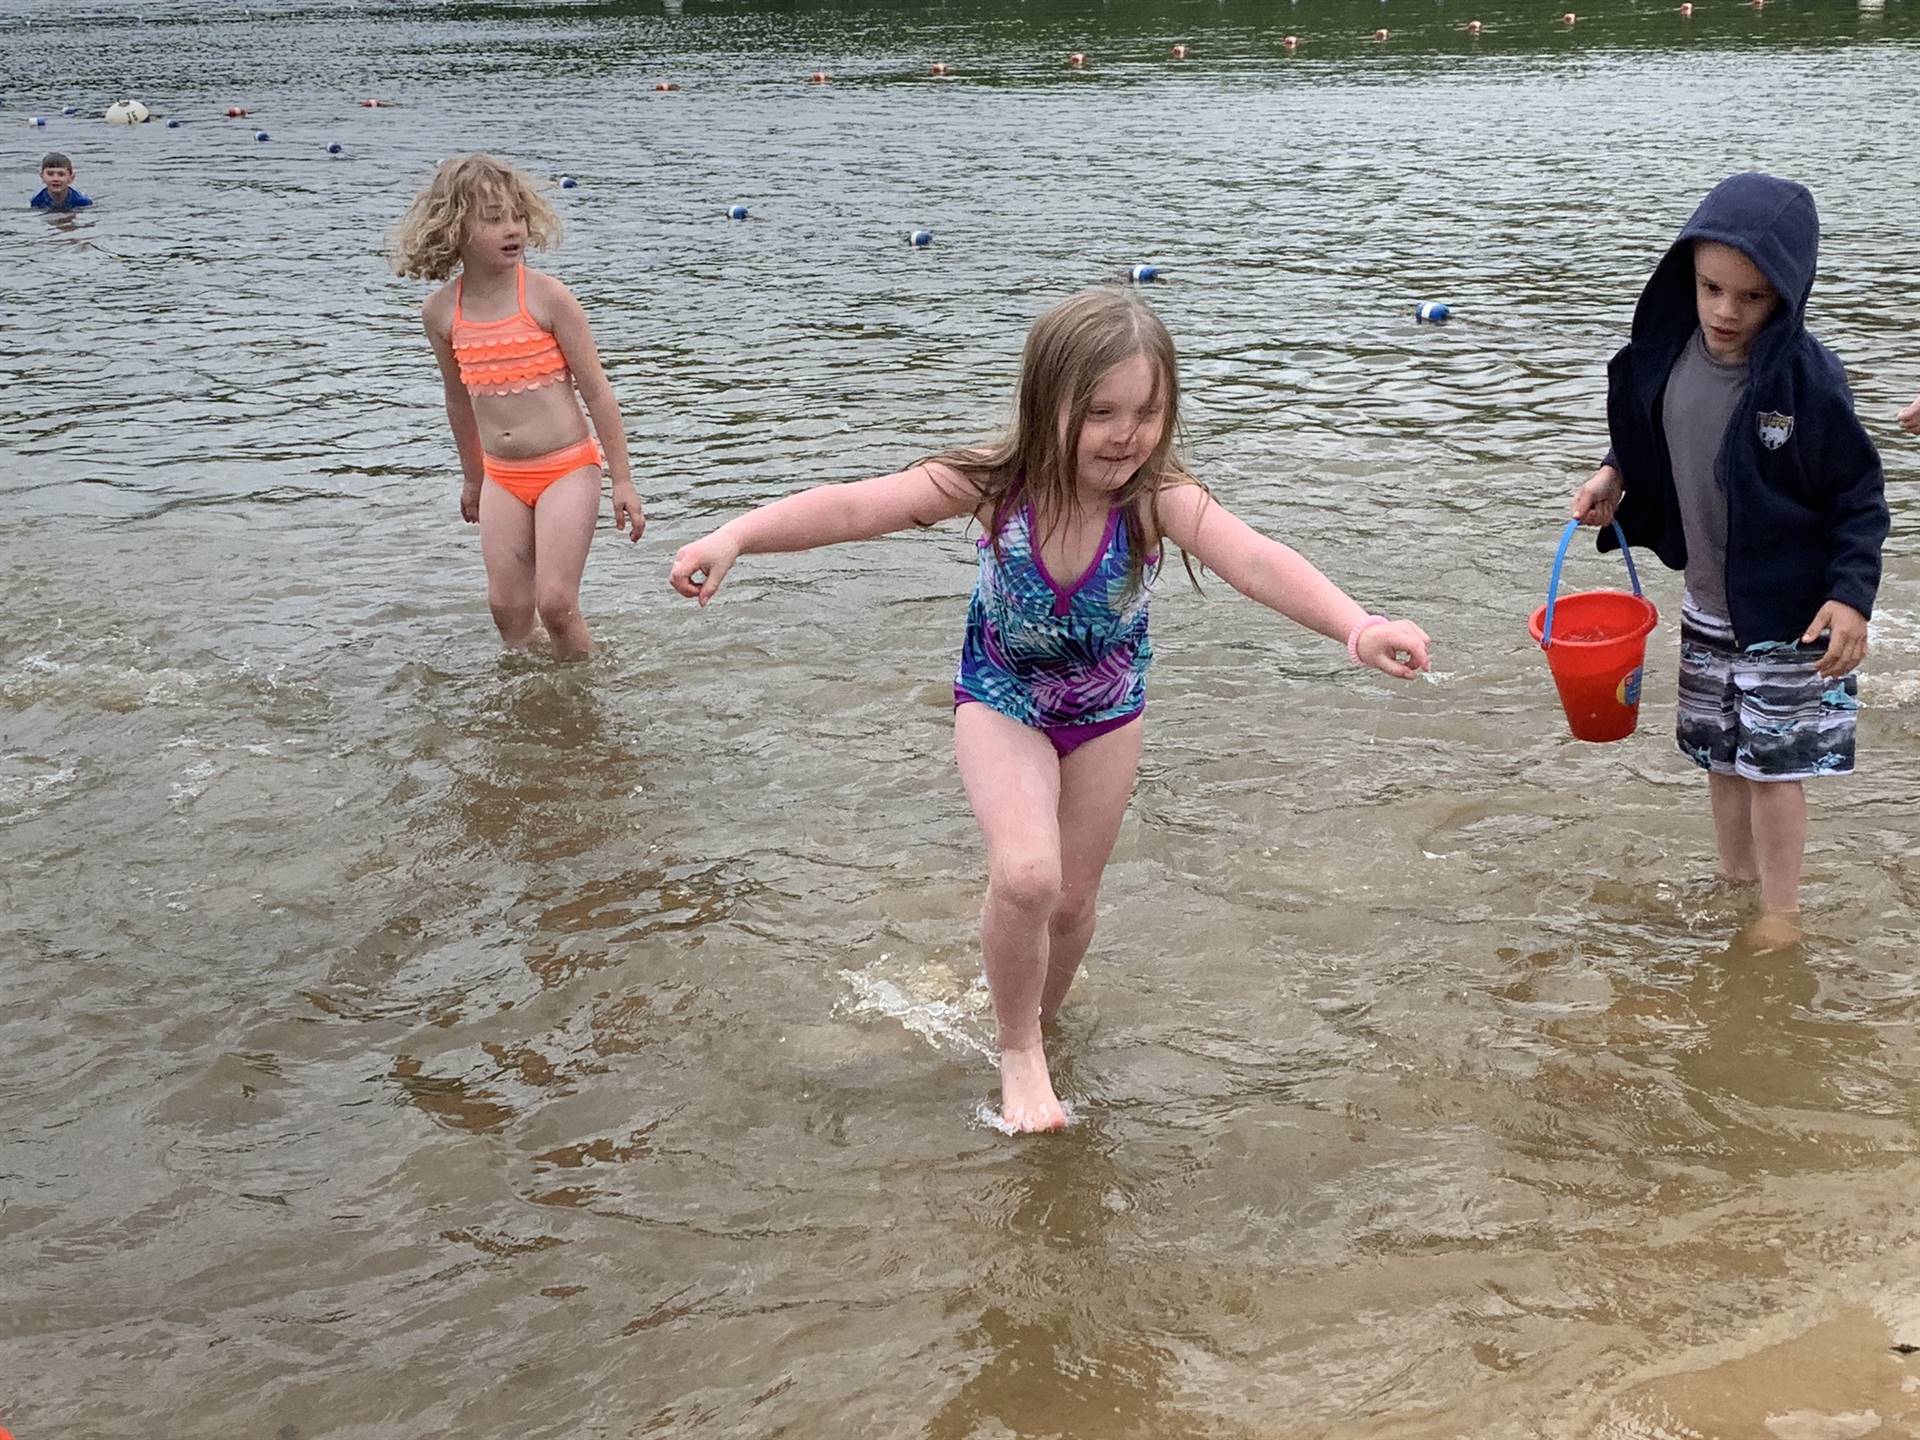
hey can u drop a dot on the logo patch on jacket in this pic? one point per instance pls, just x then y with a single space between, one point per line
1774 428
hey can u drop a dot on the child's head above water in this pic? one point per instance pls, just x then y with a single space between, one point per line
56 172
1098 403
469 197
1095 417
1733 298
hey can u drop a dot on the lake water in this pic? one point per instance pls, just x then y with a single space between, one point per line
396 1039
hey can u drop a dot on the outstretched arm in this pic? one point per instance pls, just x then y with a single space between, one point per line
825 515
1910 417
1283 580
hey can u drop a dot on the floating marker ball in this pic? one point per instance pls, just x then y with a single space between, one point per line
939 68
1144 274
1179 52
1076 60
736 212
69 109
173 124
334 148
236 112
919 239
818 77
665 85
127 112
1380 34
261 135
1473 27
567 182
1568 18
39 122
1432 312
1686 10
1290 42
372 104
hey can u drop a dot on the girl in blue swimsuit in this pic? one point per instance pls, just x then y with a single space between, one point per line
1051 685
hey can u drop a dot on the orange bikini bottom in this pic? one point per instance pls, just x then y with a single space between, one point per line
526 480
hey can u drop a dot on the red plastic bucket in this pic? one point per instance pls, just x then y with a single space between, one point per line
1596 646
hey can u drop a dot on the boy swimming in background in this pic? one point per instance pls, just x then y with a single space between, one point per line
56 180
1737 458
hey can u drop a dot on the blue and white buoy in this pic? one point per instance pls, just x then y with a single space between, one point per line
1432 312
39 122
1144 274
69 109
737 212
567 182
334 148
261 135
919 239
173 124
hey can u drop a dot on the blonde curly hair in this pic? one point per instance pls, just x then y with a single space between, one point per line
426 242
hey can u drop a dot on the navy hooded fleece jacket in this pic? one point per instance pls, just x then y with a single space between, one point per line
1806 503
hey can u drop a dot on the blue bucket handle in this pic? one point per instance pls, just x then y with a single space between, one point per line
1560 558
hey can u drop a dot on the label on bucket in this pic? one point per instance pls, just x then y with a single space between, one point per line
1629 692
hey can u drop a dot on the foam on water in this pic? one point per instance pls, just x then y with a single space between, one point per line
941 1023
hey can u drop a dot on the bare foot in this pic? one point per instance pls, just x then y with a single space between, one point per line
1775 930
1027 1101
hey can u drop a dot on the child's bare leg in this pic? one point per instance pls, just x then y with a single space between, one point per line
563 520
506 544
1733 825
1779 842
1012 777
1096 782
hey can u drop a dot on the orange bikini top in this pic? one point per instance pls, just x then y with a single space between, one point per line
504 357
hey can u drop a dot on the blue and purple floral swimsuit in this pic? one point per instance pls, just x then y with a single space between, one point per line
1071 662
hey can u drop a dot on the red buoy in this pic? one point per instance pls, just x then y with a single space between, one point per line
1076 60
818 77
236 112
1473 27
1290 42
1179 52
941 69
1380 34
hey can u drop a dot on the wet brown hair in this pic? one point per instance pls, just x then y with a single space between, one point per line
1068 351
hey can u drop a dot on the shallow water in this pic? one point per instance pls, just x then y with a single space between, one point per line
396 1038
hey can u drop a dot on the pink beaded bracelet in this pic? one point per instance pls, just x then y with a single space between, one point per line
1360 627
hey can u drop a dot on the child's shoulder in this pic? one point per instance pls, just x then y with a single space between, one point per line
544 287
437 308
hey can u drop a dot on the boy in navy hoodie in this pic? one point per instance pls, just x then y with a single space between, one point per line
1737 458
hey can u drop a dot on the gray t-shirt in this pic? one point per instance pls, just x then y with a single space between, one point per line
1702 395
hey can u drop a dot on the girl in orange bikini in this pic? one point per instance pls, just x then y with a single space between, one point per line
513 347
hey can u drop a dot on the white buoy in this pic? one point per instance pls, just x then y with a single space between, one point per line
127 112
919 239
